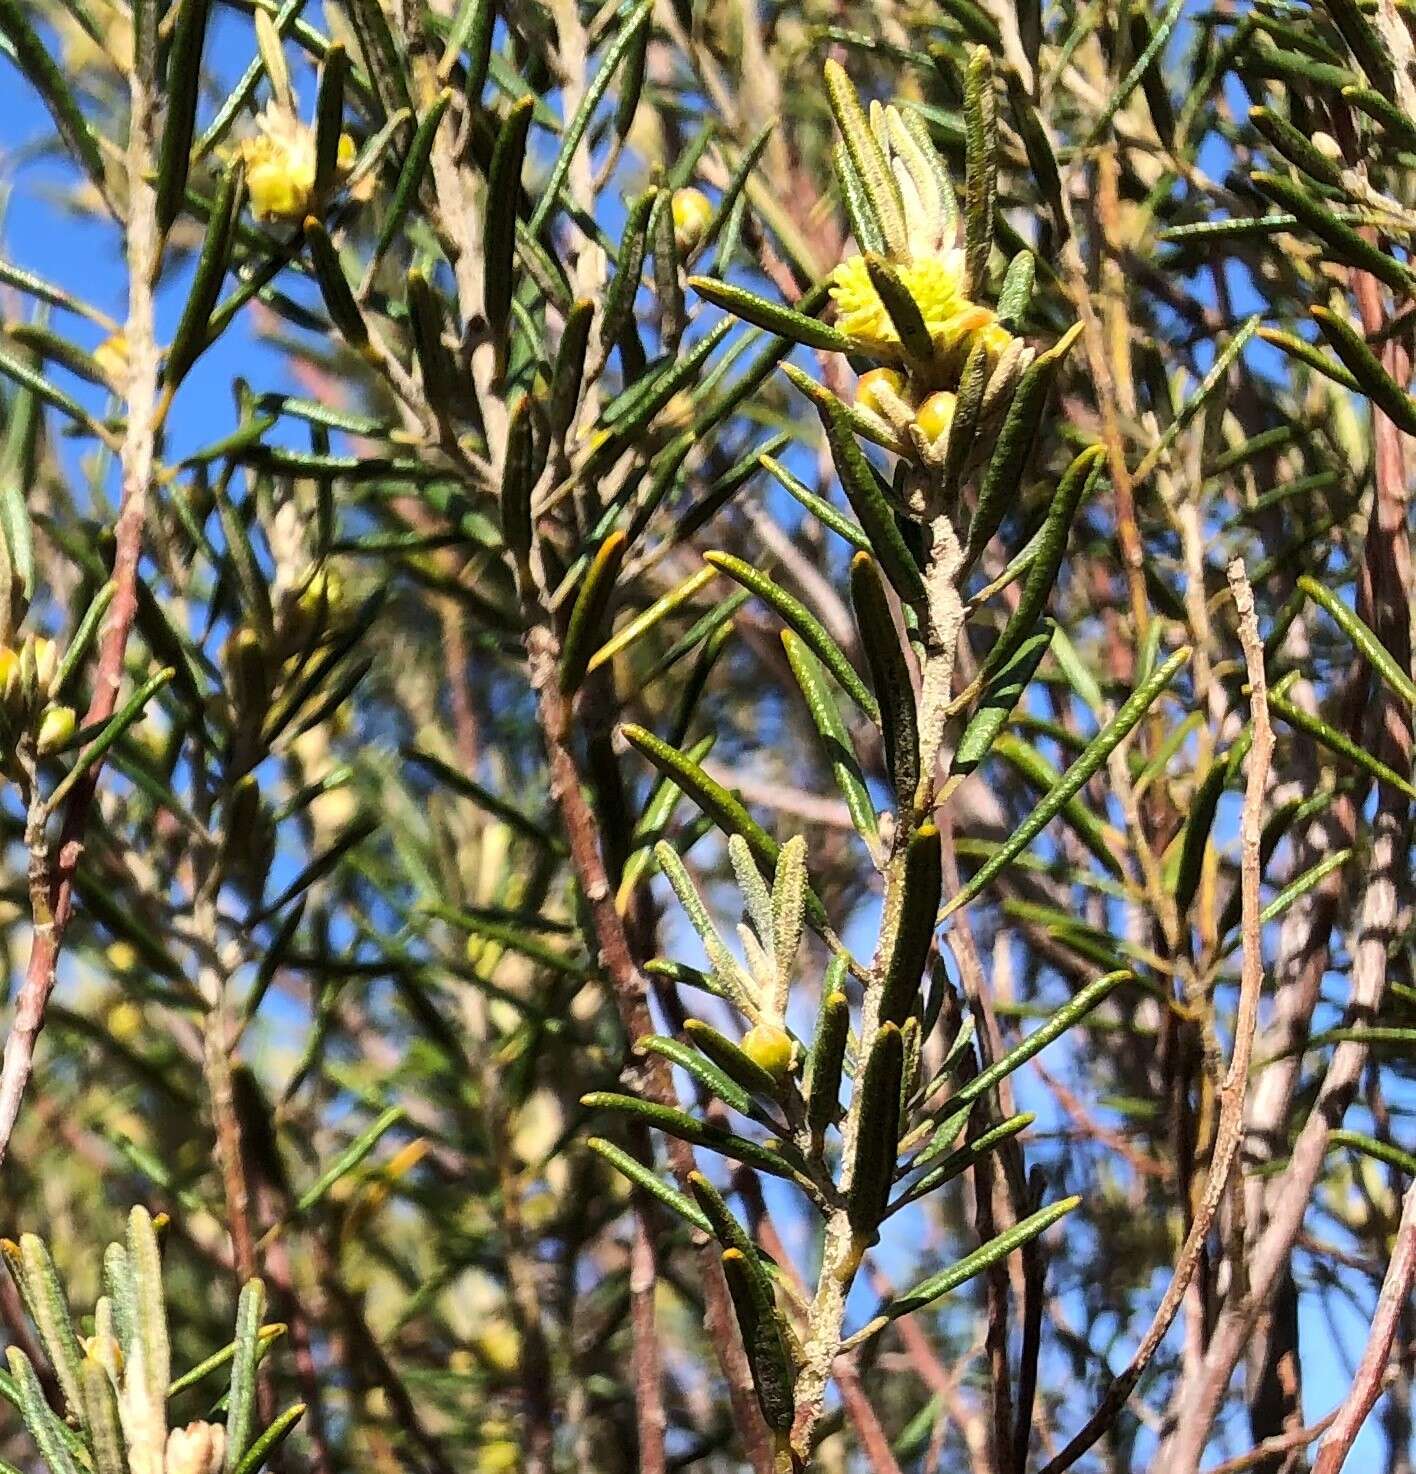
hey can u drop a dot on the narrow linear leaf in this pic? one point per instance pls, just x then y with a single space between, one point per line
587 616
349 1158
774 317
959 1162
803 623
261 1449
634 629
1340 744
999 699
1342 241
1364 365
1094 833
646 1178
48 1306
867 159
919 904
116 726
824 1068
1143 63
499 226
1076 485
1093 756
1002 480
48 80
762 1339
890 675
818 506
1363 637
714 1080
981 167
931 1289
862 489
878 1133
1309 354
619 48
835 740
240 1409
721 806
687 1128
184 73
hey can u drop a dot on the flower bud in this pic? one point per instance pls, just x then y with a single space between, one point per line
309 615
56 729
9 676
935 416
196 1449
879 390
111 356
27 679
692 210
124 1020
498 1347
769 1046
247 667
106 1351
46 666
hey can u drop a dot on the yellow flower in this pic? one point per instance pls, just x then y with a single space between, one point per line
937 285
280 165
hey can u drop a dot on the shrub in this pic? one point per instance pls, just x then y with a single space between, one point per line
749 804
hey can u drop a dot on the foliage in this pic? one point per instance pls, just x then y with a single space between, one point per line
772 743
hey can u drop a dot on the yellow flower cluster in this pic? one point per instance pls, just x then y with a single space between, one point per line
937 285
28 677
280 165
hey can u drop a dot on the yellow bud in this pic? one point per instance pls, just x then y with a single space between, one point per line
875 385
498 1347
346 153
111 356
106 1351
935 416
692 210
309 615
770 1047
124 1020
500 1456
46 665
56 727
122 956
9 672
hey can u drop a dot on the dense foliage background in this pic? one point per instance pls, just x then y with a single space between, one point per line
365 366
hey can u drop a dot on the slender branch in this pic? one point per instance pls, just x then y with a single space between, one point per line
144 256
1383 592
1393 1302
1233 1091
1282 1443
631 1000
